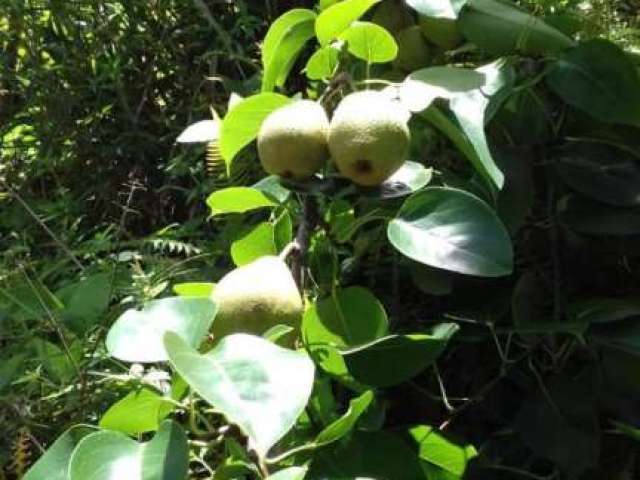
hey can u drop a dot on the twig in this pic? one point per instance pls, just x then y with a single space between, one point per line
308 222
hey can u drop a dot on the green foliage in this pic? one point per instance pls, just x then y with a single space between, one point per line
472 315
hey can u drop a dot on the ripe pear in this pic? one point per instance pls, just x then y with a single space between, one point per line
369 137
292 140
255 297
393 15
413 51
443 32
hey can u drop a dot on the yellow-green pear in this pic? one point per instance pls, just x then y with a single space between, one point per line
255 297
369 137
292 140
413 50
443 32
393 15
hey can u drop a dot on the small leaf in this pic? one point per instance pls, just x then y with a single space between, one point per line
323 63
238 200
258 242
194 289
140 411
438 450
438 8
240 126
599 78
345 424
395 359
109 455
453 230
54 463
282 44
500 28
200 132
593 218
137 334
337 18
257 385
370 42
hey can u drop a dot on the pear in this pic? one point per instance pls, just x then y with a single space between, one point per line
255 297
443 32
413 51
393 15
292 140
369 137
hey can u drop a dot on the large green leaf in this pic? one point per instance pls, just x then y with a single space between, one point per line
85 301
397 358
238 200
350 317
54 463
111 455
438 8
499 27
593 218
258 242
137 335
337 18
366 456
257 385
240 126
282 44
600 79
370 42
440 451
453 230
600 172
140 411
623 335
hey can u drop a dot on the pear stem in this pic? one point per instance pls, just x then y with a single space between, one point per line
308 221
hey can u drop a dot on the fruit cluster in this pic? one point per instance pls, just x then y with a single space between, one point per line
367 138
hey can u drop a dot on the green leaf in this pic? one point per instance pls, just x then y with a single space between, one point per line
453 230
110 455
622 335
140 411
337 18
282 230
600 172
291 473
272 188
194 289
599 78
397 358
323 63
628 430
604 310
366 456
257 385
54 463
501 28
257 243
423 86
438 8
86 301
351 317
593 218
370 42
438 450
238 200
345 424
240 126
9 368
137 334
283 43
